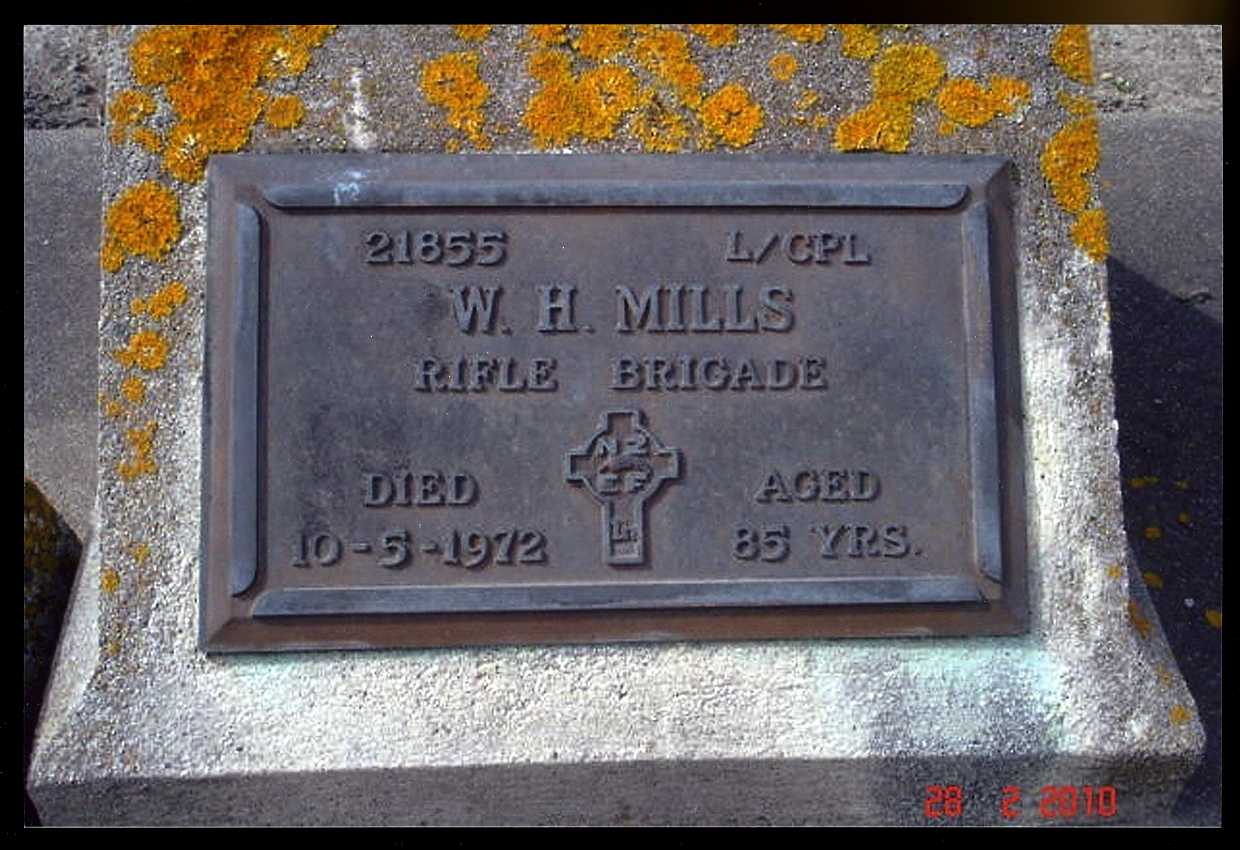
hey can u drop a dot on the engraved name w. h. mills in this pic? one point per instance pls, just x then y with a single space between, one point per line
622 466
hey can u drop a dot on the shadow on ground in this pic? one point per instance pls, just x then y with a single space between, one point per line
52 551
1168 368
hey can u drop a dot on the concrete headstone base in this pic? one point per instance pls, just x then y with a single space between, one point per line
141 727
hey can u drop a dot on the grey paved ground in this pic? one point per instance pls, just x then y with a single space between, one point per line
1161 175
1158 68
1160 94
1165 278
61 294
62 76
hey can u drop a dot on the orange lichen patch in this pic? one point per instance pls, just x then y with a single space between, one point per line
820 121
211 76
946 128
965 102
133 389
1115 571
1140 481
111 256
112 648
1071 53
112 408
903 76
1068 157
969 103
109 580
139 552
141 442
908 71
860 41
601 41
1077 105
146 350
665 53
1009 93
310 35
590 106
285 112
552 115
1153 532
550 34
131 107
148 139
144 220
783 66
660 129
808 99
715 35
1179 715
452 82
472 32
1138 620
1152 579
128 108
885 125
732 115
1090 233
804 33
162 303
605 94
1214 617
185 158
548 65
292 55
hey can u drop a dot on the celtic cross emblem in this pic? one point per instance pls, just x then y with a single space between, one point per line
622 466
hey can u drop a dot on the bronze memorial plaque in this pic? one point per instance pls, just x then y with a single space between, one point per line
543 399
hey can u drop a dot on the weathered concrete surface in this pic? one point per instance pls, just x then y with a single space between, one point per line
60 289
142 728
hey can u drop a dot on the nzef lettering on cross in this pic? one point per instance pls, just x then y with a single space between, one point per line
622 466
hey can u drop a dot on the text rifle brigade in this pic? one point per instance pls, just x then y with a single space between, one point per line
657 309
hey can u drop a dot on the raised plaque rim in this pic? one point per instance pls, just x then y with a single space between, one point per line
243 187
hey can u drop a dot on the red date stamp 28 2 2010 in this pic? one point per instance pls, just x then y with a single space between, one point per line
1055 802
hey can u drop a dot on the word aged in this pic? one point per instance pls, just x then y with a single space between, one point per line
498 399
812 485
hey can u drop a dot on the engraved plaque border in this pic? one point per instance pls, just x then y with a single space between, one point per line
236 615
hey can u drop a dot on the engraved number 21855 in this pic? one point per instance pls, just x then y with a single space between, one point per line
453 248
